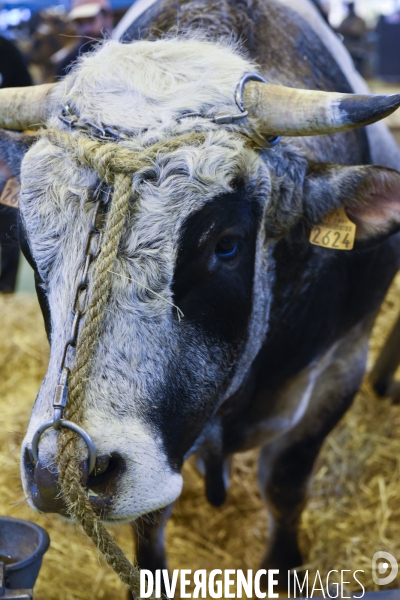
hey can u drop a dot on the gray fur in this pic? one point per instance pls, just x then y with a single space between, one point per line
13 147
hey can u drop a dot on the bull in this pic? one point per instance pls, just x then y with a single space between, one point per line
272 345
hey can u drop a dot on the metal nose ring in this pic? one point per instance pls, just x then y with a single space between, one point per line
69 425
59 403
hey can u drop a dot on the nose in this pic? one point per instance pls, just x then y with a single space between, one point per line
101 484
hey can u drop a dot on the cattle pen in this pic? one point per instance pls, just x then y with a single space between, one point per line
352 512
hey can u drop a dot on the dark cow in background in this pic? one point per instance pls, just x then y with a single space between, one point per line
272 346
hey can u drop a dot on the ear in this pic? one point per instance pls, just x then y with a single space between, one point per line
370 196
13 146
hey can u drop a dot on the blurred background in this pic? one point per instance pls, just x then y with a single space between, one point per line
45 31
370 29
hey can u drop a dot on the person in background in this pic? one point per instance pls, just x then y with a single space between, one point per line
13 73
353 29
93 22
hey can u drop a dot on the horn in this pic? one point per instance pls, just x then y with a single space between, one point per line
24 107
278 110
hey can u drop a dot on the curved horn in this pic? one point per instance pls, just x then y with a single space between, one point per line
24 107
278 110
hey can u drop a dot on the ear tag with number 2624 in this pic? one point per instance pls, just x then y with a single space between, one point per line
334 231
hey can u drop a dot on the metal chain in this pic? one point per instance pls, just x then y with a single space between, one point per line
79 303
107 133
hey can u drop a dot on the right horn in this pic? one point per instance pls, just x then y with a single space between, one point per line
276 110
24 107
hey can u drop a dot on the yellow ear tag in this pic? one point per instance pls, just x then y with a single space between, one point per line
10 194
335 231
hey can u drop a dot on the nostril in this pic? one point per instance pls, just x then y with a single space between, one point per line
102 484
42 482
104 479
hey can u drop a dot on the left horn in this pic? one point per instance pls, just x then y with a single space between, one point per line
24 107
278 110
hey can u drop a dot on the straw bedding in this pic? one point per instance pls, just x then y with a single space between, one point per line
353 509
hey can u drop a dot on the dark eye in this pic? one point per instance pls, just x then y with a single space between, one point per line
227 247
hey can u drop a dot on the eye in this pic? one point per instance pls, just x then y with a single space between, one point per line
226 248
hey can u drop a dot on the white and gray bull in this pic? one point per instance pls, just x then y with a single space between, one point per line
272 345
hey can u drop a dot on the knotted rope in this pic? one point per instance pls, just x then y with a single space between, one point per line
109 158
114 165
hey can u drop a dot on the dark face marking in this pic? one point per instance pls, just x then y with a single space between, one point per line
215 267
213 286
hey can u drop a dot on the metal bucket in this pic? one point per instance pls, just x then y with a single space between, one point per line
22 546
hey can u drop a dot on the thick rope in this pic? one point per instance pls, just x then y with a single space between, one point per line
68 459
114 165
108 158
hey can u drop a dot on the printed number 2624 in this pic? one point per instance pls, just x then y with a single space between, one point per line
329 238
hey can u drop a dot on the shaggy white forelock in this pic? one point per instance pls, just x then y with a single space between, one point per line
147 85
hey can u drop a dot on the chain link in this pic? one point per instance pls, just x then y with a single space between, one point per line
78 310
79 302
106 133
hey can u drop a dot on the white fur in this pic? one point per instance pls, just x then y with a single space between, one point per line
148 85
